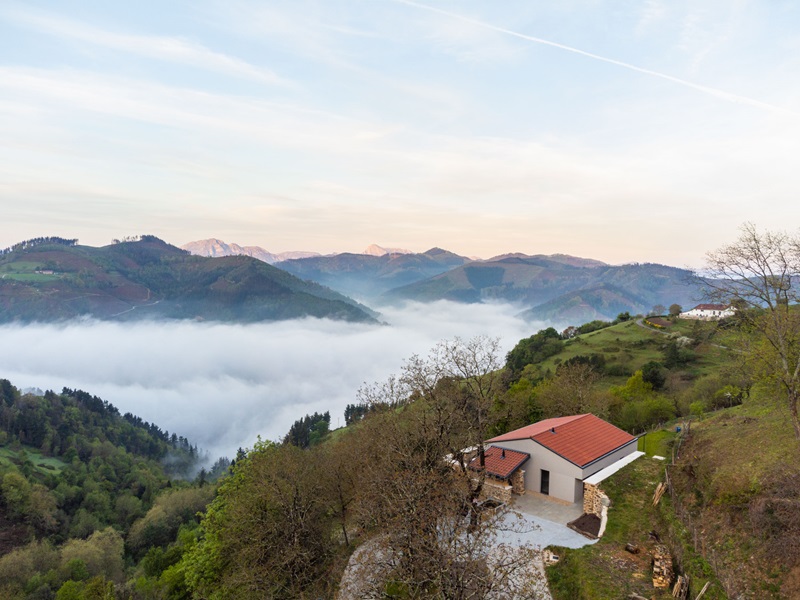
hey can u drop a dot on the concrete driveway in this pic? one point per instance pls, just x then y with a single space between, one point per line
541 522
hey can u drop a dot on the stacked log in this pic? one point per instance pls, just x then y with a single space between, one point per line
681 589
662 567
660 489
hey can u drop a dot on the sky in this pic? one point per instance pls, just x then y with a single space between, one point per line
223 385
622 131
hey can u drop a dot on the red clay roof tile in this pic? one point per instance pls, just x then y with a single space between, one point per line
500 462
583 439
529 431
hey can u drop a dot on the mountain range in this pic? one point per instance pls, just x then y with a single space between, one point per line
51 279
556 288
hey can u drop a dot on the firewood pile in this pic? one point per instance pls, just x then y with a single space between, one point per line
660 489
662 567
681 589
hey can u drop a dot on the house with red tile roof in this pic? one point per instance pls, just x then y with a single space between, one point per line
562 453
708 312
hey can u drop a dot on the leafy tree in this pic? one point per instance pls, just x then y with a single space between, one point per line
534 349
102 553
8 393
569 333
170 510
16 494
308 430
515 408
354 413
675 310
268 532
654 374
677 354
597 324
636 388
760 273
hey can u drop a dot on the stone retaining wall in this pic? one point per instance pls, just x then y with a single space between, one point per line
496 489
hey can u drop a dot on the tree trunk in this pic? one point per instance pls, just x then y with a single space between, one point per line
793 401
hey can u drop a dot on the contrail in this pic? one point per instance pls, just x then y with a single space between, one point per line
701 88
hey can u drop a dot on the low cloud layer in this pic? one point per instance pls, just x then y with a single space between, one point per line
223 385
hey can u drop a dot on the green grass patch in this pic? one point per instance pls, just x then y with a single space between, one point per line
32 277
605 569
657 443
625 343
20 266
44 465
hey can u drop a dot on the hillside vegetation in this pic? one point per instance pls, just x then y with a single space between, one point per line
731 519
556 289
87 493
288 520
52 279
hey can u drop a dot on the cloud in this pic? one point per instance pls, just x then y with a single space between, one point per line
223 385
169 49
721 94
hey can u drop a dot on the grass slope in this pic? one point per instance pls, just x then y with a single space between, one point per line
606 570
629 346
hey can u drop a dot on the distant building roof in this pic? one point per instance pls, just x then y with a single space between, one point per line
581 439
500 462
712 307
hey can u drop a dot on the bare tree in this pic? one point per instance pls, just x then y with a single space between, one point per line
420 493
759 275
571 391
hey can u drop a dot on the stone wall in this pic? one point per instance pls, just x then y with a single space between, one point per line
518 482
496 489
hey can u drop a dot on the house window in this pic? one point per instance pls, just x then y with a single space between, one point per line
545 482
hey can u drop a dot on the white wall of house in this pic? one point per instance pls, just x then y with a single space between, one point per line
706 315
610 459
562 472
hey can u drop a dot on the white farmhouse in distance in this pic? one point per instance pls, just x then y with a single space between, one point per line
708 312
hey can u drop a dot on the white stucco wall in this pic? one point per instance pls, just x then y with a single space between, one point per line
610 459
562 472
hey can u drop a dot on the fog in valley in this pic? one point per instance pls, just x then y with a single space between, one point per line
222 385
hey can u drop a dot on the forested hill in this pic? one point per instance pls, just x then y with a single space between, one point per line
558 290
85 490
50 279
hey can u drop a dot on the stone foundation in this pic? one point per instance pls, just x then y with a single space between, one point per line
497 490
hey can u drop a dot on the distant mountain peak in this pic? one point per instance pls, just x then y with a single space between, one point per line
214 247
375 250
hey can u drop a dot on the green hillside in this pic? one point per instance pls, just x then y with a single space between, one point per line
731 520
49 280
88 495
556 290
